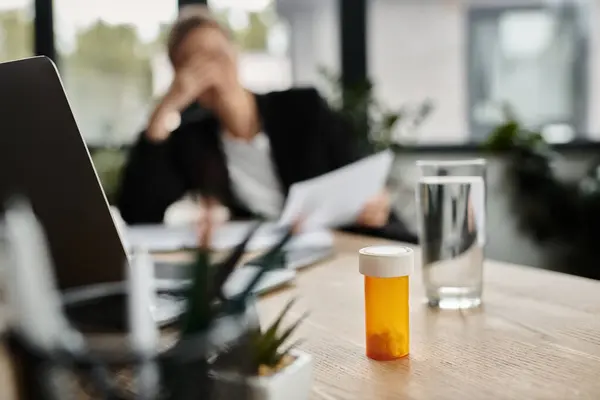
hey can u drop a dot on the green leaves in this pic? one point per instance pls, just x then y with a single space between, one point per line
269 262
205 297
503 137
268 345
511 134
377 126
198 315
226 268
109 165
206 300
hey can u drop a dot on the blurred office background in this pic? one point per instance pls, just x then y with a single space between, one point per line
466 56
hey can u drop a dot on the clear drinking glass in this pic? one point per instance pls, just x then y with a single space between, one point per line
451 200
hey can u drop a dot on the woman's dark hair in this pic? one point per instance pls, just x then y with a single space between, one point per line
191 17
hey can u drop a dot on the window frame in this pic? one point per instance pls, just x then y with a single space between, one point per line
43 26
44 44
580 68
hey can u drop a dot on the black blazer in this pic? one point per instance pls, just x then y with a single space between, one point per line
307 139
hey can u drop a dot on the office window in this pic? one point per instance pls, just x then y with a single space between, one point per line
534 60
314 41
262 37
112 58
16 29
415 54
470 56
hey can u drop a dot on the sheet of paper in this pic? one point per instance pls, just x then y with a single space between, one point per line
328 201
336 198
162 238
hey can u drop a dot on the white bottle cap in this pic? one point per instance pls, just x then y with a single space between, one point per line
386 261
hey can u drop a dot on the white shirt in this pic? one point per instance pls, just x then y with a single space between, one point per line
252 174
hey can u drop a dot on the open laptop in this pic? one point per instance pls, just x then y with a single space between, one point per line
44 158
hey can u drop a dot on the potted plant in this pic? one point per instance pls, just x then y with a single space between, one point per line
378 126
278 371
282 371
221 353
216 331
561 216
243 360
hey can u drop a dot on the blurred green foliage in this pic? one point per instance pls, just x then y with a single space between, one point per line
511 134
268 344
16 34
376 125
109 163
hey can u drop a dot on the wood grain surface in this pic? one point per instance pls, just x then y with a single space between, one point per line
536 337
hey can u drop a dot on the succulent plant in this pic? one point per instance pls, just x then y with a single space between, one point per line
206 301
205 297
270 354
216 333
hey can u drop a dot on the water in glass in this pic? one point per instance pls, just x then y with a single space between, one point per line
452 236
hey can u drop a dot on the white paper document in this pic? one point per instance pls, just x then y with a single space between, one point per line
162 238
328 201
337 198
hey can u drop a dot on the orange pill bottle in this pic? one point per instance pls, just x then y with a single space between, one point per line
387 310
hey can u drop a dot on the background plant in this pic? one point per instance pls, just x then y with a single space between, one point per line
561 215
376 125
109 163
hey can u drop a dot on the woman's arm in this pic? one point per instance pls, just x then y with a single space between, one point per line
344 147
150 182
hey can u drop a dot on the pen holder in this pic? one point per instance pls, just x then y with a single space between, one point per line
56 362
187 370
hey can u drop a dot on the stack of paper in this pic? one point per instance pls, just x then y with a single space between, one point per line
337 198
161 238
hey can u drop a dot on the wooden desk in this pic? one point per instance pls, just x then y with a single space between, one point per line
536 337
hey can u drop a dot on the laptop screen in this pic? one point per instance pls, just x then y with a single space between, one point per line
43 158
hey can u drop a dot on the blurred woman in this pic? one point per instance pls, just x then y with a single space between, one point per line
247 150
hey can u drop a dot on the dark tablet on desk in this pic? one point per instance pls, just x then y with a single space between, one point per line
298 258
103 307
172 277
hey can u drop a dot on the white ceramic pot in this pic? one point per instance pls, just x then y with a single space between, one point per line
291 383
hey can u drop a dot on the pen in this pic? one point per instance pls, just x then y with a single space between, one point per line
143 330
34 298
